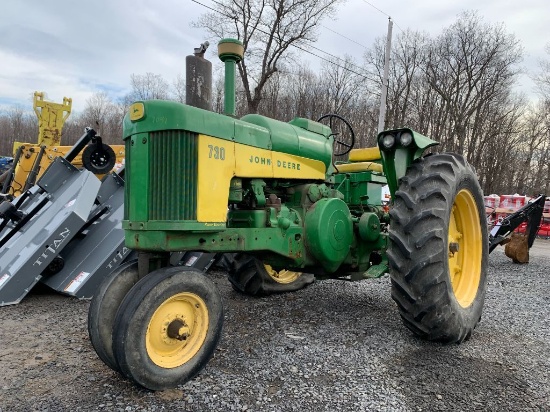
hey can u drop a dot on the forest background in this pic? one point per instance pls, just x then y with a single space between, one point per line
458 88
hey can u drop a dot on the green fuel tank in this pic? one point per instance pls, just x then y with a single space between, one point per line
301 137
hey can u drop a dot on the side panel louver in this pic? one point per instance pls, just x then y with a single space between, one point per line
173 175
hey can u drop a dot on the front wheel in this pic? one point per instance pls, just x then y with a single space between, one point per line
167 327
438 248
104 306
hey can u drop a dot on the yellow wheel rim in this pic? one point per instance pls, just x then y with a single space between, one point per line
465 248
282 276
177 330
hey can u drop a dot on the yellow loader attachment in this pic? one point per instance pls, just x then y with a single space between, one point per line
32 159
51 118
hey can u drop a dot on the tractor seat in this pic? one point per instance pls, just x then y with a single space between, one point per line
359 167
362 160
367 154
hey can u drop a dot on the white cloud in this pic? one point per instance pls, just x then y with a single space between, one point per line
73 48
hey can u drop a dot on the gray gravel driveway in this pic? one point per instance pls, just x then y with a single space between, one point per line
334 346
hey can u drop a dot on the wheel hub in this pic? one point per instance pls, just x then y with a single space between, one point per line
454 247
178 329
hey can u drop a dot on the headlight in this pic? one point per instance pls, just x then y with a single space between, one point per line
405 139
388 141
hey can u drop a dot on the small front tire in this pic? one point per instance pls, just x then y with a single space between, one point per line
103 309
167 327
98 159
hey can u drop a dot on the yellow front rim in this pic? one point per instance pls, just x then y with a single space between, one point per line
282 276
465 248
177 330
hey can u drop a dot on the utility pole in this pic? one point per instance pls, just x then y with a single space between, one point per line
382 114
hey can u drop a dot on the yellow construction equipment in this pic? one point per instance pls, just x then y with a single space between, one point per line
51 118
32 159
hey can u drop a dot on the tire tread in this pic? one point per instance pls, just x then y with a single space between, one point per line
417 249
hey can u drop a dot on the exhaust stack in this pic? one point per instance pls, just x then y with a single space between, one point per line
198 85
230 51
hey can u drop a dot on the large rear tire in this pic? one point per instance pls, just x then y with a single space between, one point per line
103 308
438 248
250 276
167 327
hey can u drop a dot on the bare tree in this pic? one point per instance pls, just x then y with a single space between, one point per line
105 116
301 93
457 88
146 87
469 65
537 130
407 90
178 91
17 125
267 28
97 110
542 78
341 83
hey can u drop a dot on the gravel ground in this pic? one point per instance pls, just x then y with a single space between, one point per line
332 346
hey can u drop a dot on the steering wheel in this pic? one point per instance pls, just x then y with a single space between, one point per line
346 143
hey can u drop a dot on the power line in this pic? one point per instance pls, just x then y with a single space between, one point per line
347 38
334 63
383 12
397 25
208 7
316 48
373 6
300 48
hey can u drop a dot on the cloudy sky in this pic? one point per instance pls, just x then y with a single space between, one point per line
75 48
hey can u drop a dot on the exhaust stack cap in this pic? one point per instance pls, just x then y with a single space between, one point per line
230 49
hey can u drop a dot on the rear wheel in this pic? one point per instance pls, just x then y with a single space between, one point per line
438 248
167 327
104 306
250 276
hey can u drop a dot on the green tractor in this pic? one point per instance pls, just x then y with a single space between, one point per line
270 196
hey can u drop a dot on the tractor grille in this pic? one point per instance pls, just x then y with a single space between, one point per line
173 173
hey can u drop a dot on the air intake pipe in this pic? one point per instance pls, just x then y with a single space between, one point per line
230 51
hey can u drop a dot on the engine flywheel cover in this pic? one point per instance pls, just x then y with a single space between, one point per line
329 232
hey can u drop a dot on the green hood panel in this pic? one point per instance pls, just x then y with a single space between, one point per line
300 137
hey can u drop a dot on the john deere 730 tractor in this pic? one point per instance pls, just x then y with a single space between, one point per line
271 196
